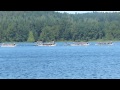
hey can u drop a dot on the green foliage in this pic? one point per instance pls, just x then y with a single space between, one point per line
30 37
32 26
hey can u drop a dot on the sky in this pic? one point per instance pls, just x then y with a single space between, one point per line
73 12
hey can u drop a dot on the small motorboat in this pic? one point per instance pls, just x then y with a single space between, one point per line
80 44
40 43
104 43
8 45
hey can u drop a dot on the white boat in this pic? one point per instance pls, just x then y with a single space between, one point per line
79 44
40 43
104 43
8 45
46 45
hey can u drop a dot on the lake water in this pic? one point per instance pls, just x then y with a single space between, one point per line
26 61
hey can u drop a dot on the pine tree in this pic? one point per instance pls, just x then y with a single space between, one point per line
30 37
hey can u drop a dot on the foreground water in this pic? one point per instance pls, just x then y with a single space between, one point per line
27 61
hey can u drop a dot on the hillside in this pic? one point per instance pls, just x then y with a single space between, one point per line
21 26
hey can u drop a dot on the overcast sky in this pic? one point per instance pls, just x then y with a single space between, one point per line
73 12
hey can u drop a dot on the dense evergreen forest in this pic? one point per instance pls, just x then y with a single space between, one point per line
22 26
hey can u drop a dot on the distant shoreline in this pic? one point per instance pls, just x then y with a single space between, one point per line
92 41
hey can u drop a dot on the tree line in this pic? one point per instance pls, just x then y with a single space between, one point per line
31 26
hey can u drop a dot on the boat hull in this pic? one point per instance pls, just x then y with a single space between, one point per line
79 45
104 44
8 46
47 45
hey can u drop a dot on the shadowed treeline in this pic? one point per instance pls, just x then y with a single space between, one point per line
21 26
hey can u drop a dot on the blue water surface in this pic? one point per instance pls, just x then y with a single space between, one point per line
27 61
